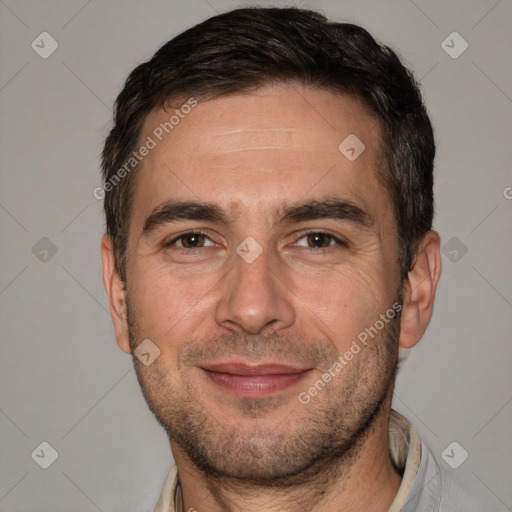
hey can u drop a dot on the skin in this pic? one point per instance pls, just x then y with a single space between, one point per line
253 154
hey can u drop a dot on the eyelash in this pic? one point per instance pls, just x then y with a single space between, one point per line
339 242
183 235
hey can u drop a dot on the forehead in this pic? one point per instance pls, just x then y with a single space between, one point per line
259 150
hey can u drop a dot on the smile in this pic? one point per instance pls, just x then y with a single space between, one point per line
254 381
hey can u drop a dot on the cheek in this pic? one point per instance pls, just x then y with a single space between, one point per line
168 304
342 302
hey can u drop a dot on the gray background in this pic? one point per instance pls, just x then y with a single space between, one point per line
62 378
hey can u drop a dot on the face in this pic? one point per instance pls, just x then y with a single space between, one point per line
258 256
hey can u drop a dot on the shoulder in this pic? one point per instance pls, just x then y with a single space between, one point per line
432 487
455 498
441 488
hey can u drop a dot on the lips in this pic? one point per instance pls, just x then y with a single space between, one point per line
254 380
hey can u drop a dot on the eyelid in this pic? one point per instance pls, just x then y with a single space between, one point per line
298 236
175 238
337 238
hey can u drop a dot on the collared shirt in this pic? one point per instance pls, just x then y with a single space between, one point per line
424 488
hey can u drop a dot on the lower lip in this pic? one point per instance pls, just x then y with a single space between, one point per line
255 385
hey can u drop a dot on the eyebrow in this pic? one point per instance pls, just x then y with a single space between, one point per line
329 208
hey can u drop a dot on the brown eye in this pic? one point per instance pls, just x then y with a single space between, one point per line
192 240
319 239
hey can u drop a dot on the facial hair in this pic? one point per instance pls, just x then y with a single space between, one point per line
328 431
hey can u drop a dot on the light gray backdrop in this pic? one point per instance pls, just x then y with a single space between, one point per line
63 380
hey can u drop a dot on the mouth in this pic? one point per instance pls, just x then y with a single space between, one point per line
259 380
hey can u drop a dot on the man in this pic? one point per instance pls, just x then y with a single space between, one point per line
268 197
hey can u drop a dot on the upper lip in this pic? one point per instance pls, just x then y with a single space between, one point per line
237 368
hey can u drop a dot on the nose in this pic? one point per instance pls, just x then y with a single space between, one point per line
254 298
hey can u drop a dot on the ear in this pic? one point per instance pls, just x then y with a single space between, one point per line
420 290
115 293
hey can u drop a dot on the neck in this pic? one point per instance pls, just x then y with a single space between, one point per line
363 479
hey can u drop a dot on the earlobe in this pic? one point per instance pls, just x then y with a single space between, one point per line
115 294
420 289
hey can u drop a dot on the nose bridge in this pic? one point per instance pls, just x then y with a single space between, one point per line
252 271
253 298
